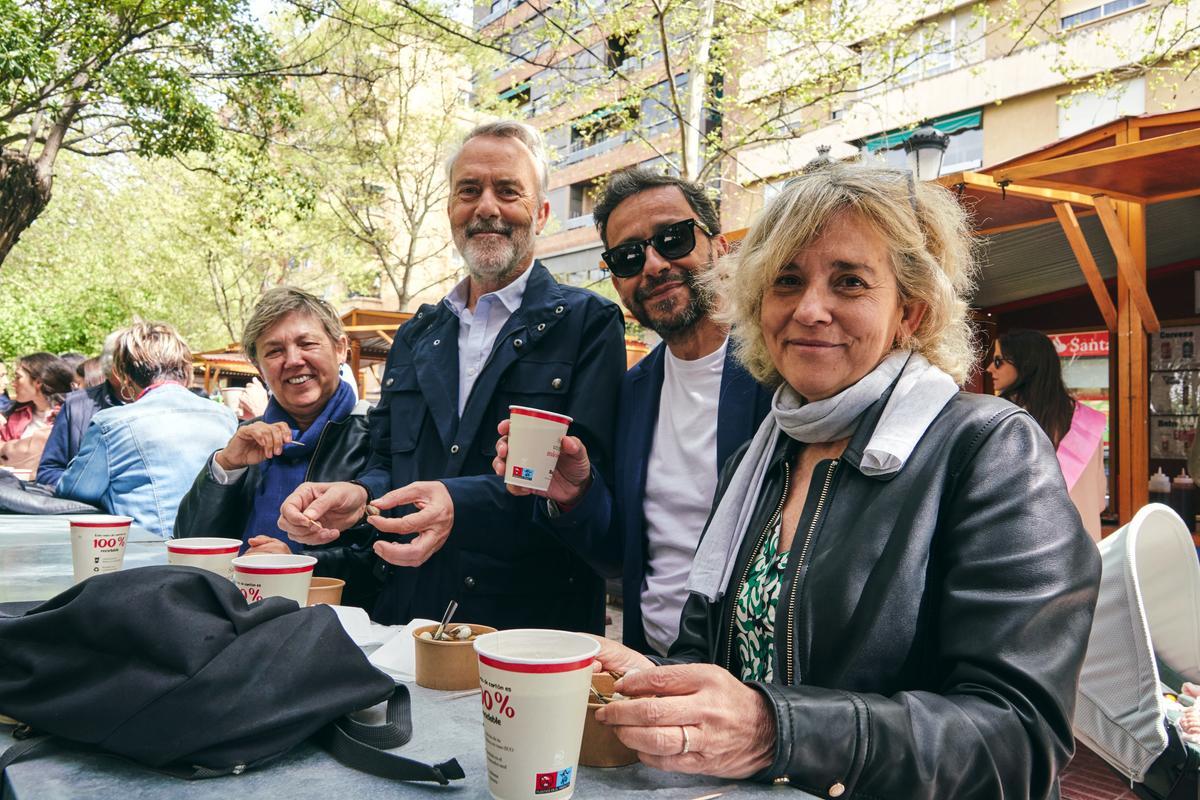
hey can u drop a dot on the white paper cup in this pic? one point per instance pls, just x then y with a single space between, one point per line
98 544
534 689
206 552
231 396
534 442
274 576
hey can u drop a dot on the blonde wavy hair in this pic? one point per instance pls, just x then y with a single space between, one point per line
925 228
146 352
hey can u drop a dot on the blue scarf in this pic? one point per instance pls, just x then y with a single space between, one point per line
279 476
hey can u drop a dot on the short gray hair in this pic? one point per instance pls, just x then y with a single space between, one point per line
511 129
276 303
924 227
149 351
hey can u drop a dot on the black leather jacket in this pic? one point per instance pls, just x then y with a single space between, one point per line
213 509
932 623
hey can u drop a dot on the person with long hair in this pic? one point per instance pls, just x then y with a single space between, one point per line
40 382
1026 370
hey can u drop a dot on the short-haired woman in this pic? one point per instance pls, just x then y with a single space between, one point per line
893 595
312 430
40 382
139 459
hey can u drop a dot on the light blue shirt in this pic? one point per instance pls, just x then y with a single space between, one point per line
140 459
478 329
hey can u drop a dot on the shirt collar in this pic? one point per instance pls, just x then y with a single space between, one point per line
510 296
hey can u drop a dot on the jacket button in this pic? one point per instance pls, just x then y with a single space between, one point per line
518 343
541 326
469 582
453 448
558 309
389 381
837 790
556 383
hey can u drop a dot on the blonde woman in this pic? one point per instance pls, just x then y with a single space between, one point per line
140 458
893 595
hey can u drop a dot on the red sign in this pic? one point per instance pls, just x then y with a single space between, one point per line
1093 344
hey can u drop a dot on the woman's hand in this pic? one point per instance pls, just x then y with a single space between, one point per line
254 444
266 545
572 474
693 718
616 657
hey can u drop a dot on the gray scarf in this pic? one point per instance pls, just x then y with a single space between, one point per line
920 394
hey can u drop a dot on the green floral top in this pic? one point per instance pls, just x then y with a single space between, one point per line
755 609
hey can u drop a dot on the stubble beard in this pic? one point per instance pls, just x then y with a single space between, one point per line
673 326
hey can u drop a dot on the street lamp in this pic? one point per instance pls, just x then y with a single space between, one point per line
926 148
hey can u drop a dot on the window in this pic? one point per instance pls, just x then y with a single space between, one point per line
1084 16
617 51
1080 112
583 200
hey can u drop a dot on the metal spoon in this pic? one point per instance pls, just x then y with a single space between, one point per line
450 609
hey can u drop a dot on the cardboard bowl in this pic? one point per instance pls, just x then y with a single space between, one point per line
447 665
325 590
601 747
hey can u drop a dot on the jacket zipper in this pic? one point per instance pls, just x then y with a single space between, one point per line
789 664
316 449
749 562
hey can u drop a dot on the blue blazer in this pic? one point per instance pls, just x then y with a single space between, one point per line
563 350
608 527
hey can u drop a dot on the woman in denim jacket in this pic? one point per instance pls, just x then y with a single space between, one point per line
139 459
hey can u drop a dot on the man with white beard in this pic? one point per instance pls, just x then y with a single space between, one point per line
508 334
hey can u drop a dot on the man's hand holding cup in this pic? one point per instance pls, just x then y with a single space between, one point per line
572 472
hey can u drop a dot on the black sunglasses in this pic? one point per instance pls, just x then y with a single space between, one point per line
674 241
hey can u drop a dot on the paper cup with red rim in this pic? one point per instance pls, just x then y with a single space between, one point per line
98 544
534 689
274 576
534 442
206 552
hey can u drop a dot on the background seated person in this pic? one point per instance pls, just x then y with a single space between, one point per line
138 459
90 373
893 595
40 382
312 430
75 416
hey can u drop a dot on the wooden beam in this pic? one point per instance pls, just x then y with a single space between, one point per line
1105 155
986 183
1087 264
1125 262
387 338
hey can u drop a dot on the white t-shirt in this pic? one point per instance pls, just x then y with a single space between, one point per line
681 479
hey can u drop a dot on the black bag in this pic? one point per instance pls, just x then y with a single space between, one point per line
169 666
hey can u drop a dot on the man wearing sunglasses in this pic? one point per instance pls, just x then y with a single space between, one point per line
507 334
684 408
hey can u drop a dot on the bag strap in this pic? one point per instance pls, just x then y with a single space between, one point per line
363 747
18 751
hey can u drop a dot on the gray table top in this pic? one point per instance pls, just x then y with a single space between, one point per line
35 555
35 564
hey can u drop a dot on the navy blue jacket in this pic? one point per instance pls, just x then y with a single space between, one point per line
563 350
69 427
608 528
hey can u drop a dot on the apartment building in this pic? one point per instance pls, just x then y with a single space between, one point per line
994 93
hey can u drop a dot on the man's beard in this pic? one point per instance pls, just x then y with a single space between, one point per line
666 324
493 260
